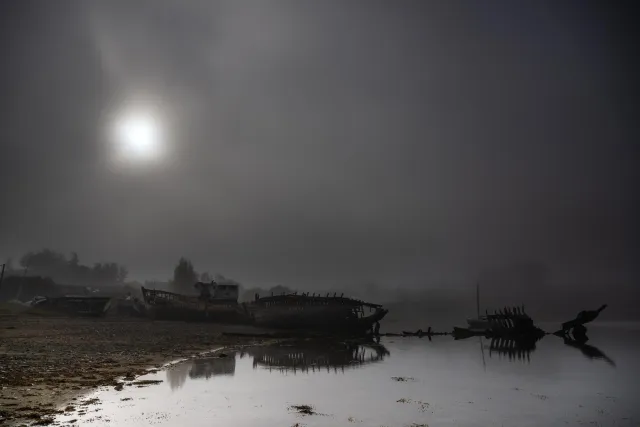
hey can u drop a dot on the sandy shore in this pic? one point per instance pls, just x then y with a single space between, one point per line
47 361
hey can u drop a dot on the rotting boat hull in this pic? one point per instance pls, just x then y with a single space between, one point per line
161 305
481 324
332 315
81 305
319 320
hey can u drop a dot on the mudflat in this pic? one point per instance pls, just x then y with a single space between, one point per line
46 361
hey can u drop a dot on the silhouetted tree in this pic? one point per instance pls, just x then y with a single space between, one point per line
205 277
184 275
105 273
46 263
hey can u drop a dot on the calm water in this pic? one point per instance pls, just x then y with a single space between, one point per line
447 383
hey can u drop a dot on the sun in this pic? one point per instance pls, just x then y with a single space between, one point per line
138 136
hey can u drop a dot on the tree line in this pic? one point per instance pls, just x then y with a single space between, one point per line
70 271
55 265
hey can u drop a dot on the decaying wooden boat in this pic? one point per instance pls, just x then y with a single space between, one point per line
75 305
336 314
216 303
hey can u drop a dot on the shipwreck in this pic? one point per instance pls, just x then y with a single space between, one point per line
74 305
331 314
216 303
219 303
511 323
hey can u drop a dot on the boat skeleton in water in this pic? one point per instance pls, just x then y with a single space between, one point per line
511 322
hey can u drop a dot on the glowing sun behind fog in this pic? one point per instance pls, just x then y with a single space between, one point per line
137 137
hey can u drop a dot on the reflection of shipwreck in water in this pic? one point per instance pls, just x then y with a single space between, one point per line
177 375
317 356
213 366
513 349
511 331
574 334
589 351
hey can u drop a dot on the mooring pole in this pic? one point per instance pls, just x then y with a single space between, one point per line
2 275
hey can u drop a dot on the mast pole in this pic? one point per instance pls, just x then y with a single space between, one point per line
478 299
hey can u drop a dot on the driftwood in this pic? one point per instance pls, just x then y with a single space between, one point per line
421 333
581 319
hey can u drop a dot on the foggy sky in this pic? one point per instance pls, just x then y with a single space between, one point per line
311 142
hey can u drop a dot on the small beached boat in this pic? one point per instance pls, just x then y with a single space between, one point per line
75 305
479 323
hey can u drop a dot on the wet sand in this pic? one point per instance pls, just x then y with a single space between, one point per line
48 361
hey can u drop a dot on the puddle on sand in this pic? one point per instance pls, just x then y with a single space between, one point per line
341 384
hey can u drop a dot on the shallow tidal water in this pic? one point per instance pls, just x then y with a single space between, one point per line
398 382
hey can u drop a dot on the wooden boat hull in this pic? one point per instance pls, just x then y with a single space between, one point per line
90 306
462 333
334 315
161 305
327 318
479 324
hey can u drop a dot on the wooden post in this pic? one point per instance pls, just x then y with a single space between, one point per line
2 275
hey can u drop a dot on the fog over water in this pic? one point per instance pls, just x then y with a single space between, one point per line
421 145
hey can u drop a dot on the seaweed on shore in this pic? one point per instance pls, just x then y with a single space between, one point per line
303 409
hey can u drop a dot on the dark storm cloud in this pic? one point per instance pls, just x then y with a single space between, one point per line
409 142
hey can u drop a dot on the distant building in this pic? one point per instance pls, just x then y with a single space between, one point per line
231 292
